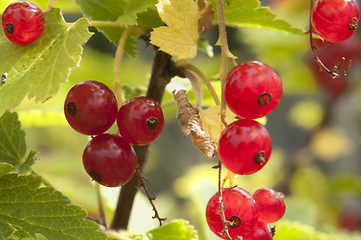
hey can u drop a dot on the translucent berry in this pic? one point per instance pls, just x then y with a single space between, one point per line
140 120
270 205
252 89
90 107
109 160
23 22
335 20
244 146
239 209
261 232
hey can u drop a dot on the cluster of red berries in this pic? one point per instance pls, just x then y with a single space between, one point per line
91 108
247 215
23 22
252 90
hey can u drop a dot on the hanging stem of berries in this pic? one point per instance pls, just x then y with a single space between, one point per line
226 55
220 200
334 73
50 6
142 181
118 59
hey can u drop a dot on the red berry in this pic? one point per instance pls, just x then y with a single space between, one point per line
335 20
270 205
23 22
90 107
140 120
109 160
252 89
244 146
239 208
261 232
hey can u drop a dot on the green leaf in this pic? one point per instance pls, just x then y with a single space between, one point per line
12 144
38 69
25 206
6 168
6 230
132 8
249 13
175 230
25 167
123 12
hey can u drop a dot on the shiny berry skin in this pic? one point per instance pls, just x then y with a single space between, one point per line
23 22
252 89
261 232
140 120
270 205
90 107
239 208
244 147
109 160
335 20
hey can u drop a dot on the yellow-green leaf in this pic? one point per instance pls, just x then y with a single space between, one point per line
179 38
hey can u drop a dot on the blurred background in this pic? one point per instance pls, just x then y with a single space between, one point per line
315 131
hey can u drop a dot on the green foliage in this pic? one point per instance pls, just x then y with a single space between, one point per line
12 145
249 13
38 69
123 13
32 209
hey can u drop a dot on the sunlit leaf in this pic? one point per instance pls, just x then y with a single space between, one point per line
38 69
179 38
250 13
25 206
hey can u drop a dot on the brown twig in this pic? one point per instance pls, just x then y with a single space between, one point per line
142 180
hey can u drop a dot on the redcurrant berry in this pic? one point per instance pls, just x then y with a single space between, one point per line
335 20
261 232
23 22
109 160
244 146
252 89
90 107
140 120
270 205
239 209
